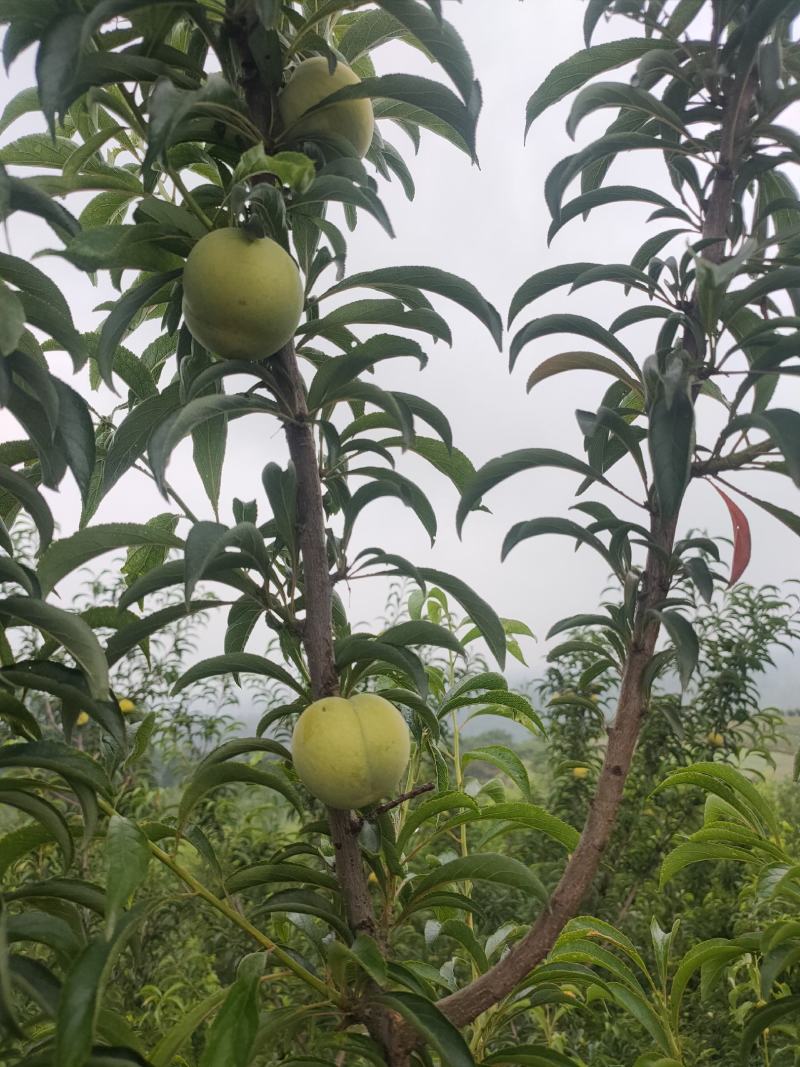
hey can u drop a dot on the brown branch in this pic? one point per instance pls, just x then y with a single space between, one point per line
428 787
386 1027
732 462
468 1003
316 578
465 1005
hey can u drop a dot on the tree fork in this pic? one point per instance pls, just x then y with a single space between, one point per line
468 1003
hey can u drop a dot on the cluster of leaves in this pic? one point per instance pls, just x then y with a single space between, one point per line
172 151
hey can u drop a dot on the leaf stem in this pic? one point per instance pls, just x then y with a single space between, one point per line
190 201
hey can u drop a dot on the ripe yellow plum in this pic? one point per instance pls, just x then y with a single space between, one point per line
242 296
310 83
351 752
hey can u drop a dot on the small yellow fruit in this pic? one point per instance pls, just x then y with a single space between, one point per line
350 753
717 740
82 719
242 297
310 83
580 772
126 706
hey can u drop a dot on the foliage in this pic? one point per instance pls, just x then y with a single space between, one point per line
166 113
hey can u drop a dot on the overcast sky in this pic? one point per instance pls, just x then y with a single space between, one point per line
488 224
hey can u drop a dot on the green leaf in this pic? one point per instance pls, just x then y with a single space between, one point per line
528 1055
429 809
219 774
57 758
187 418
118 321
422 632
521 531
77 433
731 786
522 814
620 95
131 436
636 1005
163 1054
16 793
32 500
359 649
568 361
505 760
481 866
449 461
12 320
230 1040
56 61
383 483
128 637
81 995
18 194
497 470
208 540
342 369
435 1028
70 631
580 67
23 275
268 873
127 861
670 440
421 93
431 280
143 246
25 102
44 929
442 42
65 556
380 312
573 324
14 713
481 613
328 188
609 194
764 1017
543 282
238 663
687 644
783 427
208 451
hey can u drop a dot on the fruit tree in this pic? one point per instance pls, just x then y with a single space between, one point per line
206 158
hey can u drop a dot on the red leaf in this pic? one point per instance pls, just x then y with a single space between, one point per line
741 538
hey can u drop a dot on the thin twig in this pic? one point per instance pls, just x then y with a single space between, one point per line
356 824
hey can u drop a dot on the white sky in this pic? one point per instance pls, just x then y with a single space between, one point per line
490 226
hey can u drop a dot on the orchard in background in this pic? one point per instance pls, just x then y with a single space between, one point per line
217 209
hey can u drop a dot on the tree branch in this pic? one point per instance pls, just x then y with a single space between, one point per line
732 462
466 1004
316 578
